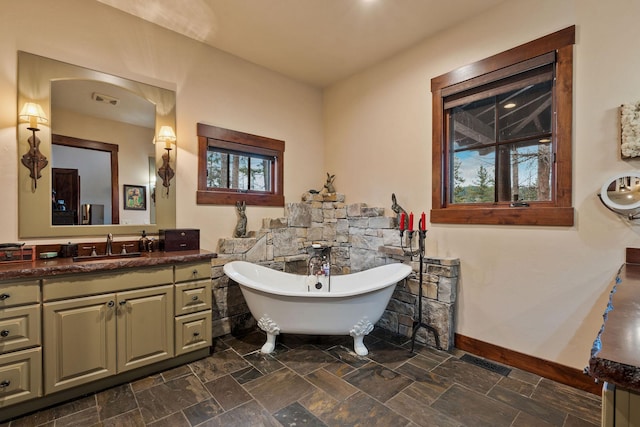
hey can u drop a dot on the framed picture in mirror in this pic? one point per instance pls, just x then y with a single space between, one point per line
135 197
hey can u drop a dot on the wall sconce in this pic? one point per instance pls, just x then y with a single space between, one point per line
168 136
33 159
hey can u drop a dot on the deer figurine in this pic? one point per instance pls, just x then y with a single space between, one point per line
329 184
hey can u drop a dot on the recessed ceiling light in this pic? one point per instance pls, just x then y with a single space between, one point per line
510 105
544 140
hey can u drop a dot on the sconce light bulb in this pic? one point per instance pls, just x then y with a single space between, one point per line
167 135
32 113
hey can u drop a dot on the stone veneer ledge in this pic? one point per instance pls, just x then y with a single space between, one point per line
361 238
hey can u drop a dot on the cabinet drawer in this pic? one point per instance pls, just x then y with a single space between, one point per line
20 376
193 296
193 332
19 327
95 283
19 292
186 272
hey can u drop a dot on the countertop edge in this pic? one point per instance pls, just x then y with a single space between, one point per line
620 374
61 266
617 372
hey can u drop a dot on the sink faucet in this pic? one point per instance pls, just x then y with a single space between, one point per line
109 244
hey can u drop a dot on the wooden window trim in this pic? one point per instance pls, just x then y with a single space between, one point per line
560 212
243 142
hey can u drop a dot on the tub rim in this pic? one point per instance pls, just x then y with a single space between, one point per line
402 272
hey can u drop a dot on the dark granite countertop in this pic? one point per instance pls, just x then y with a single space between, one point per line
58 266
615 356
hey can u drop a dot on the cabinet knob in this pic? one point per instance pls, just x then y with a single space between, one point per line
4 296
4 333
194 298
111 304
194 272
5 383
196 334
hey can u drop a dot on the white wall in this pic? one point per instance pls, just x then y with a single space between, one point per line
537 290
212 87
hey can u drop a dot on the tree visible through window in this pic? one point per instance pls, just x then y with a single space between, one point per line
502 131
238 171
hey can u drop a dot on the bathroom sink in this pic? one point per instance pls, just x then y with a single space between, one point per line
113 257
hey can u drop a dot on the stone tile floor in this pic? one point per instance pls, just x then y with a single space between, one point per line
319 381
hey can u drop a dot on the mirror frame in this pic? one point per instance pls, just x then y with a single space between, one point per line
610 203
34 85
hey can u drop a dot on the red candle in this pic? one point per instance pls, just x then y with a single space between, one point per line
411 221
403 218
423 222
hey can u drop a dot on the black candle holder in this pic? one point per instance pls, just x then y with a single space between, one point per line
418 323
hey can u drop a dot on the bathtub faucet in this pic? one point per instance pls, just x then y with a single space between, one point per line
319 266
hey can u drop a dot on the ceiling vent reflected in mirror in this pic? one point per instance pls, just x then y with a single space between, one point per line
106 99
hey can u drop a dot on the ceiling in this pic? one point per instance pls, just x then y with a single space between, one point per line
318 42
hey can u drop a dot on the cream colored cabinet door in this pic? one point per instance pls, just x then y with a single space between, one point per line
79 341
145 326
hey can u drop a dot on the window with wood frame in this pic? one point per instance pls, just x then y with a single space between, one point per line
236 166
502 135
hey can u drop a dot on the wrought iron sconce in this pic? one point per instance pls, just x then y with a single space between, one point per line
166 173
34 160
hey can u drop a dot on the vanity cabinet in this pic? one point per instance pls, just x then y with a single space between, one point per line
87 327
20 345
129 323
117 332
193 307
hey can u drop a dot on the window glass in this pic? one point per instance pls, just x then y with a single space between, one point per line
238 171
500 144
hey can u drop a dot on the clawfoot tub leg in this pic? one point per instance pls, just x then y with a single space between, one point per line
272 329
270 345
362 328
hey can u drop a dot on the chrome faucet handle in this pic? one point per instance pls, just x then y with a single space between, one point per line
93 250
124 248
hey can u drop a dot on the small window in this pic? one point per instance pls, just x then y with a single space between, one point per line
235 166
502 135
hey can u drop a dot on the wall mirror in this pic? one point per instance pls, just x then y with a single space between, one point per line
621 194
100 137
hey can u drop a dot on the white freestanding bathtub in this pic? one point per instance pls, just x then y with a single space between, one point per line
290 303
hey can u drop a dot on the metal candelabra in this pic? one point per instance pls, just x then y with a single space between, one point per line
418 323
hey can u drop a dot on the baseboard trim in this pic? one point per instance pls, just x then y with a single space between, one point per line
550 370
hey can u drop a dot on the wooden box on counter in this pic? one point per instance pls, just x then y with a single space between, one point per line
179 239
17 253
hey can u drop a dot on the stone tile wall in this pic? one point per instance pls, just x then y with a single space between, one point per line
361 237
